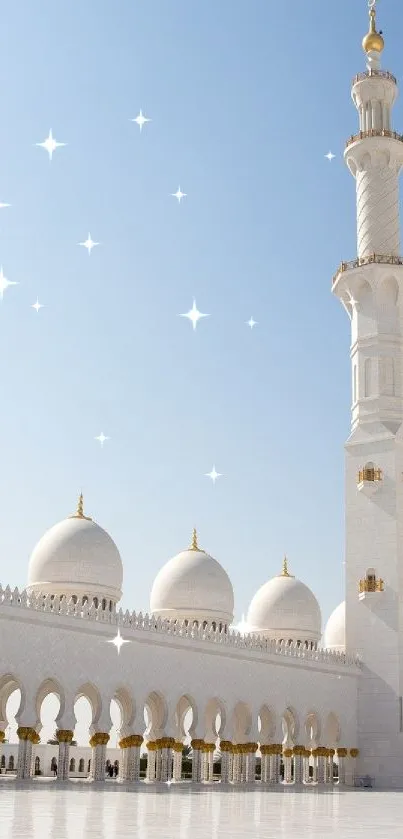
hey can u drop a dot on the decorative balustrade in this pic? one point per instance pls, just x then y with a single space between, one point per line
371 584
379 258
369 473
374 132
369 74
133 621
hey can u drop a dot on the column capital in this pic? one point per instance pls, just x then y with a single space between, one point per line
131 740
165 742
99 739
151 746
342 752
226 746
64 735
177 746
197 744
354 752
288 752
208 747
2 736
299 750
26 733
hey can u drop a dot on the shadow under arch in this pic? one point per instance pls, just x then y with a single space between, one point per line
127 708
290 726
241 722
91 693
185 708
8 684
268 724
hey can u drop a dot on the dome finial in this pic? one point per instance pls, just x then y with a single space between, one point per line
373 41
79 514
194 546
285 568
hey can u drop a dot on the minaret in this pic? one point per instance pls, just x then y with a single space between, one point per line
371 289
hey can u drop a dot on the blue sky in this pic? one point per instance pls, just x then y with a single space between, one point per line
245 98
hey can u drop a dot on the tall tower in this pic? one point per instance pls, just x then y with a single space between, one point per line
371 290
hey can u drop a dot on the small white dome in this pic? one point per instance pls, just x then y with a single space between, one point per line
76 557
335 632
193 586
285 609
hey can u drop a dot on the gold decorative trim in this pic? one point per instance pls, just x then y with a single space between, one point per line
226 746
27 733
197 744
374 132
342 752
369 474
2 736
383 74
354 752
99 739
64 735
371 585
131 740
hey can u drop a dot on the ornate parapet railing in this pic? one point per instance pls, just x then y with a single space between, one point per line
369 473
369 74
380 258
370 584
374 132
136 621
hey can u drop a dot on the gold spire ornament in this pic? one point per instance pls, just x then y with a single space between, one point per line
373 41
285 572
194 546
79 514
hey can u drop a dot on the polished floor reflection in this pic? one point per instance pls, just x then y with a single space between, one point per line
46 809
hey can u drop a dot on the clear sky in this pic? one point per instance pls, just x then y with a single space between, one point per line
246 97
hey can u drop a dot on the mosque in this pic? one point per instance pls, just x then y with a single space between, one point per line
272 705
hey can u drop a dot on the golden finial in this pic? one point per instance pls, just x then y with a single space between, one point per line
79 514
373 41
285 568
194 546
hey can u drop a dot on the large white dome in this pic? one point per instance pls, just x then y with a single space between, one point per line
335 632
193 586
285 609
76 557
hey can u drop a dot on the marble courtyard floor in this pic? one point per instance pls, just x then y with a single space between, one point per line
47 810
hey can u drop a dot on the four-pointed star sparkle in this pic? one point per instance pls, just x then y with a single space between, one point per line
179 194
141 120
50 144
251 322
37 305
330 156
4 283
194 315
102 439
213 475
118 641
89 244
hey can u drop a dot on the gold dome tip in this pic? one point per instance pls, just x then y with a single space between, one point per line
79 514
285 572
194 546
373 41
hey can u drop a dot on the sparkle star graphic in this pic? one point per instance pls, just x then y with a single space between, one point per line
213 475
50 144
4 283
102 439
330 156
118 641
179 194
251 322
141 120
89 244
37 305
194 315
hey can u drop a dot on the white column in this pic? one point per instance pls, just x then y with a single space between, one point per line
197 746
287 758
264 765
226 755
64 736
321 765
24 760
98 742
237 765
151 761
129 770
298 767
177 762
341 755
250 764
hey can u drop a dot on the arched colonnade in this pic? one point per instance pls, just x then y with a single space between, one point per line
267 745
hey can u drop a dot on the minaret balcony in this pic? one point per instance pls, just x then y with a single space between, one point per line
379 258
368 480
369 586
374 132
383 74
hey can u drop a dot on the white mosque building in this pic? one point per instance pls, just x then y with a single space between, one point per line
272 703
